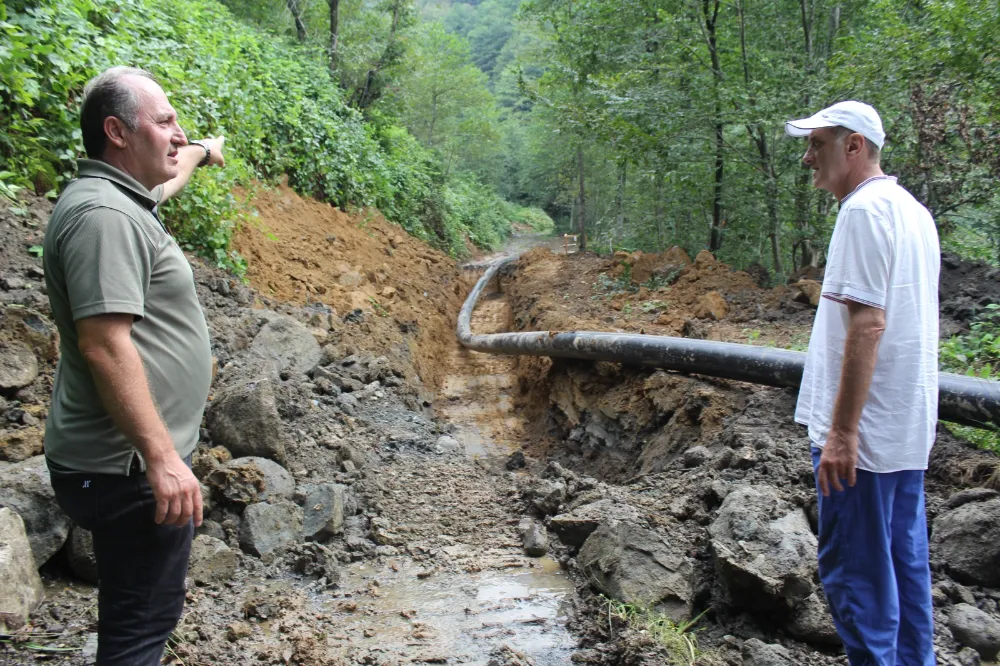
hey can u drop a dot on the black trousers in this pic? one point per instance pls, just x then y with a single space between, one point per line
141 566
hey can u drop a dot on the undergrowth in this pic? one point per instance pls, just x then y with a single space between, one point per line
976 354
676 639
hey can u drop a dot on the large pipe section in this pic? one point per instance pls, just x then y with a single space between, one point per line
966 400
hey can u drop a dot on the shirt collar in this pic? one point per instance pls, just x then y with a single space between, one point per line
865 182
99 169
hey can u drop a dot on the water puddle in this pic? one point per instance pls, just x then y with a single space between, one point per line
462 617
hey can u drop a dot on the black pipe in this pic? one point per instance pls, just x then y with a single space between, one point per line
961 399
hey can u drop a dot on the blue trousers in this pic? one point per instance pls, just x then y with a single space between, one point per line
873 563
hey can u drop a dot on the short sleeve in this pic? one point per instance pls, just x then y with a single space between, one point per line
860 259
107 259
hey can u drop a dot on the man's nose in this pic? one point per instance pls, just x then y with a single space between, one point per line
807 158
179 137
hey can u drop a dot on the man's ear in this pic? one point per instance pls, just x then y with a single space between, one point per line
115 130
856 145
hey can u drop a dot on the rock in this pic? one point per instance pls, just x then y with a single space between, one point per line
316 560
764 551
244 418
969 657
323 509
248 480
969 495
348 402
759 653
238 630
211 528
711 306
12 283
18 365
21 588
516 461
574 527
535 540
976 629
634 565
80 553
696 456
25 488
966 541
809 291
286 343
267 527
212 561
812 623
18 445
448 444
546 495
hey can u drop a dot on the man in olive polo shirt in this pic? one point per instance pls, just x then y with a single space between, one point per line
135 363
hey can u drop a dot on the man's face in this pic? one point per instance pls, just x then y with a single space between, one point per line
826 155
151 152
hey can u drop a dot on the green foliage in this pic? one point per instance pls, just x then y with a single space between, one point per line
274 101
976 354
680 645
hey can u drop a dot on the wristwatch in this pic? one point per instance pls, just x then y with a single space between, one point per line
208 152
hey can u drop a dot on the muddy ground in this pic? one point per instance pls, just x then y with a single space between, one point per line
406 480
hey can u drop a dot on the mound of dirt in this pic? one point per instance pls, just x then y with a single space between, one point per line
966 288
309 253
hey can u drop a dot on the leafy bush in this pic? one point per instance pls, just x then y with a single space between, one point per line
976 354
273 99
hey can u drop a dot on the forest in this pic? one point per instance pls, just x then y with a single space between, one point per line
640 124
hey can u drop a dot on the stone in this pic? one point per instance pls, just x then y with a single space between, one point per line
969 495
448 444
348 403
211 528
80 554
316 560
18 365
696 456
574 527
975 629
323 509
635 565
21 588
811 622
287 344
268 527
516 461
764 550
212 561
808 291
546 495
21 444
966 542
251 479
244 418
25 488
758 653
535 540
711 306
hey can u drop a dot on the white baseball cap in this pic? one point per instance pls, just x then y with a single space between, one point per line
855 116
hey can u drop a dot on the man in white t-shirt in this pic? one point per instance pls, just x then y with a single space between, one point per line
869 393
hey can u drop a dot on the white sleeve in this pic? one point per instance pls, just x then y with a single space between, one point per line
858 265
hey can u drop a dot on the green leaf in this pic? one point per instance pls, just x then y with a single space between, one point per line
36 250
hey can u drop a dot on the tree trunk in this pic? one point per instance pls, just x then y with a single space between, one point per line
334 34
300 27
581 220
620 200
710 11
658 210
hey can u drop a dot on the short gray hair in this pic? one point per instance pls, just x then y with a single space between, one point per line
874 152
106 95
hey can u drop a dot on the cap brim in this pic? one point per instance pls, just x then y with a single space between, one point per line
805 126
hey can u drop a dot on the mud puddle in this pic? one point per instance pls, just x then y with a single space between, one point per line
461 618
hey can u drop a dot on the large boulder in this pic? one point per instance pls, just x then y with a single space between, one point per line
20 586
287 344
25 488
574 527
323 507
21 444
18 365
244 417
764 551
966 541
633 564
976 629
252 479
212 561
268 527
